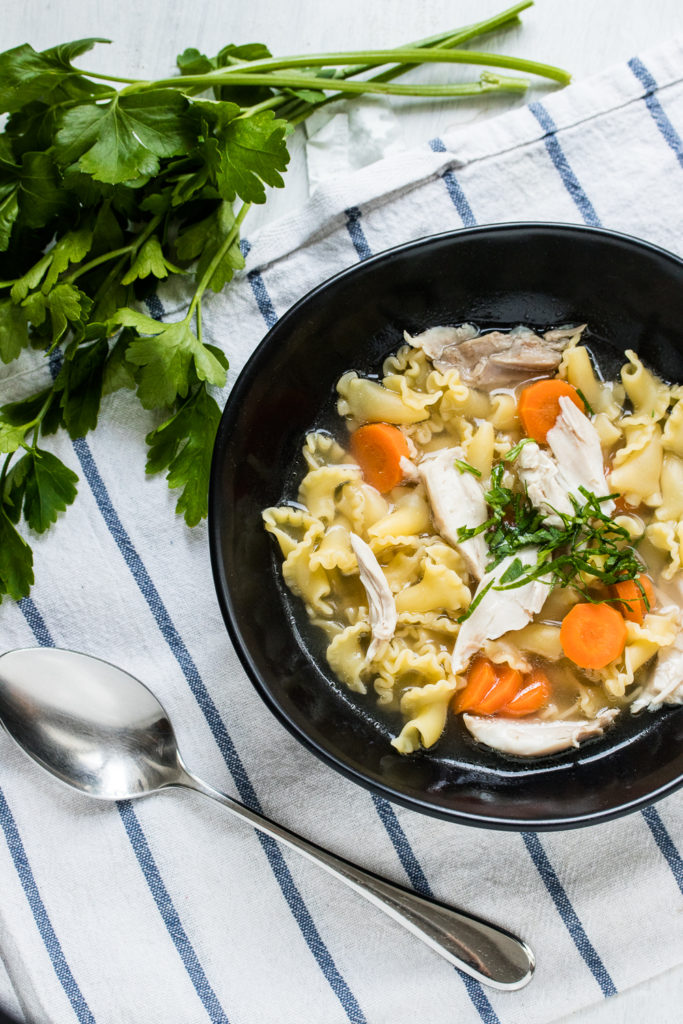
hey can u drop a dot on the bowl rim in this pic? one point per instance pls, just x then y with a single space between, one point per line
224 594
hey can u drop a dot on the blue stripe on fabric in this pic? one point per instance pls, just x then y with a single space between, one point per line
556 153
660 118
146 861
568 914
153 303
40 915
169 913
419 882
410 862
404 850
572 184
458 197
247 793
36 622
262 297
665 844
353 225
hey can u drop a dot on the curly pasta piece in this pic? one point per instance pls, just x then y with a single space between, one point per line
638 465
411 362
288 525
649 395
609 432
439 589
425 708
577 368
311 585
539 638
479 451
504 412
321 449
360 504
346 656
410 516
320 488
366 401
668 537
440 626
672 435
671 482
334 551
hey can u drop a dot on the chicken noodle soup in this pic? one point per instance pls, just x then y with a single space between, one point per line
498 535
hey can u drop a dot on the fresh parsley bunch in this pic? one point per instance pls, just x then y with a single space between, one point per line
109 185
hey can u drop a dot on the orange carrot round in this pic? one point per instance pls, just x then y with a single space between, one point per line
378 448
480 678
508 683
631 603
592 635
533 696
539 405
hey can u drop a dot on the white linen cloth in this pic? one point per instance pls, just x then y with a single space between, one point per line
166 910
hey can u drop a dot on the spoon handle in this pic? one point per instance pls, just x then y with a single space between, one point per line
490 954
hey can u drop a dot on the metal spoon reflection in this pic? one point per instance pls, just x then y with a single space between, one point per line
101 731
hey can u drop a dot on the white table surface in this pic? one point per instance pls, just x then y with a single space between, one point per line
583 36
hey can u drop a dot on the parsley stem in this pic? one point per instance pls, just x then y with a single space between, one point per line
489 84
298 110
198 321
232 234
132 247
448 40
3 473
106 78
104 258
237 73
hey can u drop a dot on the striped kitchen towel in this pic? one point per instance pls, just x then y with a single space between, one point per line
166 911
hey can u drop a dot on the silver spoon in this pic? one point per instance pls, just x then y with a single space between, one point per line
101 731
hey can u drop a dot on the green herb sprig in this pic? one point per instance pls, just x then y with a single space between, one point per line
587 543
110 184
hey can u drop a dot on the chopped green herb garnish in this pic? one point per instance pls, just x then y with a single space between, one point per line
465 467
589 408
477 600
512 454
587 542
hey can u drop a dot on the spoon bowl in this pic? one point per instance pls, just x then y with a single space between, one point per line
104 733
88 723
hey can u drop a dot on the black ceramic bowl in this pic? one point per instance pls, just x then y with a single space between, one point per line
631 295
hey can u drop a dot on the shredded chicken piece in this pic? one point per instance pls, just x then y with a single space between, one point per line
575 443
545 483
382 607
456 499
535 737
493 359
409 470
558 333
499 611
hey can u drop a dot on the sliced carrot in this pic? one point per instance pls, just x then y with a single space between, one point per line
378 448
533 696
592 635
508 683
539 405
631 604
480 678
